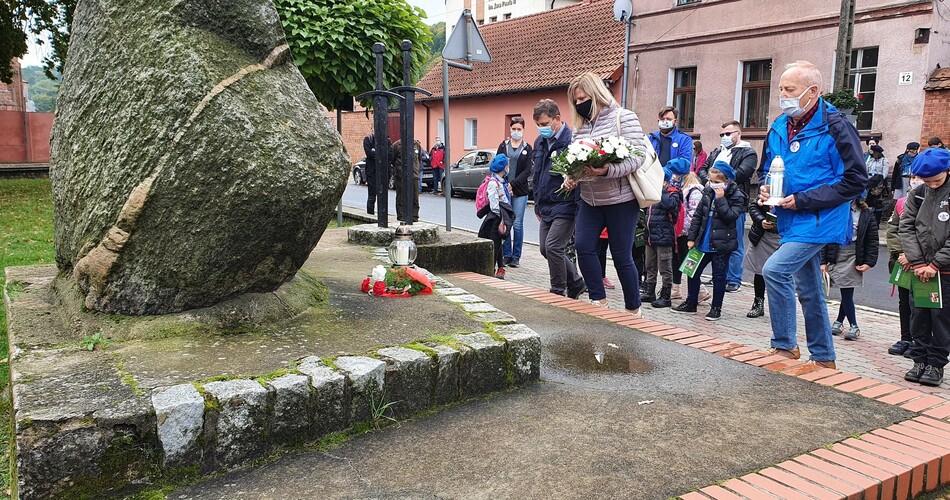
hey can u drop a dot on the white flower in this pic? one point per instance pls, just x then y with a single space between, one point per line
379 274
622 152
607 147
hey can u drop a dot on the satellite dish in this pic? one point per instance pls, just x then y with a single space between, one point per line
623 10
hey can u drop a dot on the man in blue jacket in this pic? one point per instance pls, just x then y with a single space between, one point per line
824 173
555 212
669 142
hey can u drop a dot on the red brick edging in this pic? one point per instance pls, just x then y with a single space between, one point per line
896 462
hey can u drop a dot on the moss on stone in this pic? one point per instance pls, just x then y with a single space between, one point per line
416 346
331 361
15 289
267 377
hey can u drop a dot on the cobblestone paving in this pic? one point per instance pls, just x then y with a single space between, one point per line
866 356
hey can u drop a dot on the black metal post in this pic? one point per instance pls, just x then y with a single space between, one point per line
381 136
407 123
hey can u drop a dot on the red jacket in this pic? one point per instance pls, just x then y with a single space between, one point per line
437 157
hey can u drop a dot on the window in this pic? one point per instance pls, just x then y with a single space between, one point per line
440 128
493 19
684 96
863 79
686 2
756 82
471 133
508 15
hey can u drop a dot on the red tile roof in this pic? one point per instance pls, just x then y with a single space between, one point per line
540 51
939 80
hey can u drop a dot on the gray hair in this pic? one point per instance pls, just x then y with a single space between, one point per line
808 72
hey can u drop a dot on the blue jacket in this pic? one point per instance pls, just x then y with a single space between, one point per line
682 145
661 218
548 204
825 174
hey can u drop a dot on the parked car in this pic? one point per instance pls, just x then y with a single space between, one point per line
359 174
470 170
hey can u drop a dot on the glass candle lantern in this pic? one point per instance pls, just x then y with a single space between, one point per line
402 251
775 180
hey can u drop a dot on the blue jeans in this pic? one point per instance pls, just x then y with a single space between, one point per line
734 276
719 263
436 178
512 246
620 221
797 266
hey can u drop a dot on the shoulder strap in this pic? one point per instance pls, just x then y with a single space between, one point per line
619 114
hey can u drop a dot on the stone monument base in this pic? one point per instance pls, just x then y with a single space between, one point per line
162 398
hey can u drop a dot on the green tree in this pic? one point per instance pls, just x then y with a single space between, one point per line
47 21
332 40
438 40
43 91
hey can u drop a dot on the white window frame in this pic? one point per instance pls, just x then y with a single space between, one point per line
440 128
471 133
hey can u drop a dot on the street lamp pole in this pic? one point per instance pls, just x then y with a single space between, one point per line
623 12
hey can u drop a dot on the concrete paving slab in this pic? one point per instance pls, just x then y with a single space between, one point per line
623 414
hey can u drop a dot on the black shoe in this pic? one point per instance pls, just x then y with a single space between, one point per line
576 292
685 307
507 261
914 374
514 263
648 292
714 314
899 347
758 308
707 282
932 376
732 287
661 303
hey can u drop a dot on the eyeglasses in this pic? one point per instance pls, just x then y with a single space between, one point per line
727 133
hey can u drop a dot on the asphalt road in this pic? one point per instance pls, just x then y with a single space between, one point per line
876 292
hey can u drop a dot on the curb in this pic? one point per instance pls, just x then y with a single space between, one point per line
900 461
194 428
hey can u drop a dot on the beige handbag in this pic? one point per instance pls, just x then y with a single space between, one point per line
646 181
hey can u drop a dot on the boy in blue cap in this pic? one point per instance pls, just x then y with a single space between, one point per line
497 222
925 239
661 238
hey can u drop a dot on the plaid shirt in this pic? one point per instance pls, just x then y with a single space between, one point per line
795 128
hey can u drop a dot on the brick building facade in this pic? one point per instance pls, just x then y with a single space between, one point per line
12 95
936 120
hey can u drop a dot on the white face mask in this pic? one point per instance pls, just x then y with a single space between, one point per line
790 105
914 184
665 124
517 135
726 141
717 185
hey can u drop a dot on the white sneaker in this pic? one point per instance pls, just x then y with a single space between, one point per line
704 294
601 302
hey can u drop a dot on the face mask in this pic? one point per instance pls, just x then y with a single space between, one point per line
517 135
439 144
717 185
546 132
665 124
726 141
790 105
585 109
915 184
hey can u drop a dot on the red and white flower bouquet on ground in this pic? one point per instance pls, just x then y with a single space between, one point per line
396 281
582 153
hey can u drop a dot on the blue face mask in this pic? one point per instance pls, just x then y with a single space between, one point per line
546 132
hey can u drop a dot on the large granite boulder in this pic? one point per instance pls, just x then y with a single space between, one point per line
190 162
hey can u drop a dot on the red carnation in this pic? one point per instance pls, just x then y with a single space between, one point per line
379 288
860 97
364 287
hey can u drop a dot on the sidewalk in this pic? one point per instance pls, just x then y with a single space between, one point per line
866 357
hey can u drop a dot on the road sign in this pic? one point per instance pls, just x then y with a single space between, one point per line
466 42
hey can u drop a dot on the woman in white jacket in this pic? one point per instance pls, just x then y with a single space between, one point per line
606 197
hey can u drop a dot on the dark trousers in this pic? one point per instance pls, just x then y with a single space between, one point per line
906 311
720 265
401 200
620 221
497 239
679 253
602 245
931 331
370 197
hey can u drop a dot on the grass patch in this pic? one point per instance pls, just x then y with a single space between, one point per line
26 238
